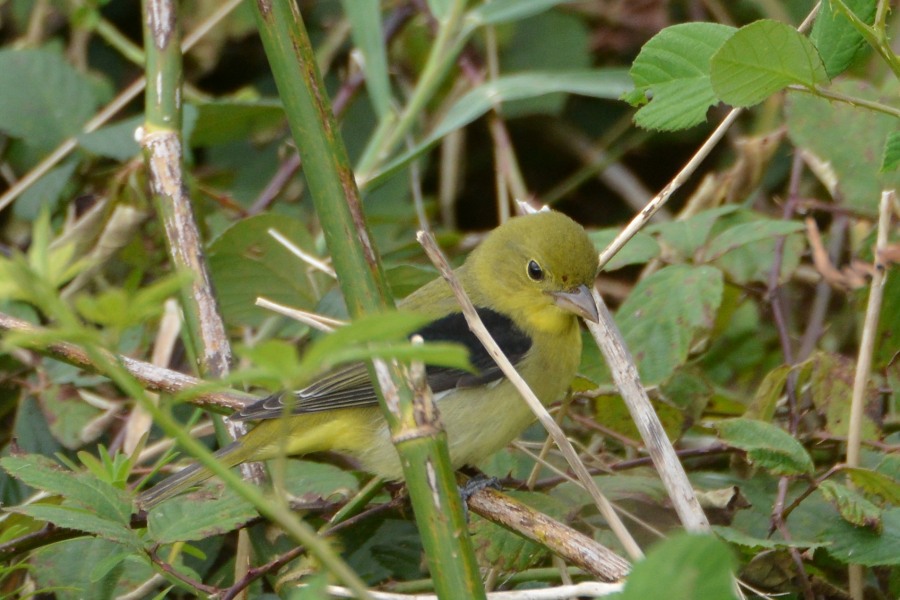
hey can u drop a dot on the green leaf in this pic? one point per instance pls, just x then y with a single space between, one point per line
853 508
875 483
639 249
687 236
365 27
890 159
43 99
761 59
307 480
80 520
755 544
596 83
862 546
747 233
226 121
767 445
672 72
114 141
767 394
195 516
496 12
683 567
850 139
839 43
46 192
83 489
664 313
246 262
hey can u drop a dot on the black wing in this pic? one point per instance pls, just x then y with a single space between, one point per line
350 386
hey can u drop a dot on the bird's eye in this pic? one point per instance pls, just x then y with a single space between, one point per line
535 272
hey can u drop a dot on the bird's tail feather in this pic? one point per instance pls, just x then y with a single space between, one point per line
183 479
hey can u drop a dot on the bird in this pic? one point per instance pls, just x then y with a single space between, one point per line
530 280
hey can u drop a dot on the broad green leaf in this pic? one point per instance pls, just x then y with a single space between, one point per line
365 27
875 483
224 121
597 83
683 567
747 254
761 59
196 516
766 445
69 568
862 546
664 313
306 480
497 547
854 508
672 73
831 390
439 8
839 43
114 141
496 12
851 139
383 550
687 236
80 520
246 262
46 192
639 249
755 544
83 489
43 99
890 159
767 394
747 233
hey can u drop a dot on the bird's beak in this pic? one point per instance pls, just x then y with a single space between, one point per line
579 301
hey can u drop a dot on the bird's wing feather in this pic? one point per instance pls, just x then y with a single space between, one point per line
350 386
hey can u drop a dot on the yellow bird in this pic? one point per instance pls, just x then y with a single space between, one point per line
530 280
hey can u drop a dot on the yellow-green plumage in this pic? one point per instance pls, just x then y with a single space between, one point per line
535 272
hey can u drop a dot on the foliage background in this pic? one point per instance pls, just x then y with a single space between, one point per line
720 299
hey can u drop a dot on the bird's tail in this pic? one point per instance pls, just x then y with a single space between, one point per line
185 478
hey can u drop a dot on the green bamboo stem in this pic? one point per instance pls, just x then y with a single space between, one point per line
419 439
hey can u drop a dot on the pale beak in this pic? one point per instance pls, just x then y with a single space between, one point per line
578 301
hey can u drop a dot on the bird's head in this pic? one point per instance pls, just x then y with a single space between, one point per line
538 269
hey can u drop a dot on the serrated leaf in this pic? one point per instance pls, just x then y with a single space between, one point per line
80 520
850 139
763 58
853 508
875 483
640 249
687 236
195 517
663 573
246 262
890 159
747 233
673 68
33 84
862 546
839 43
664 313
84 489
767 445
733 536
